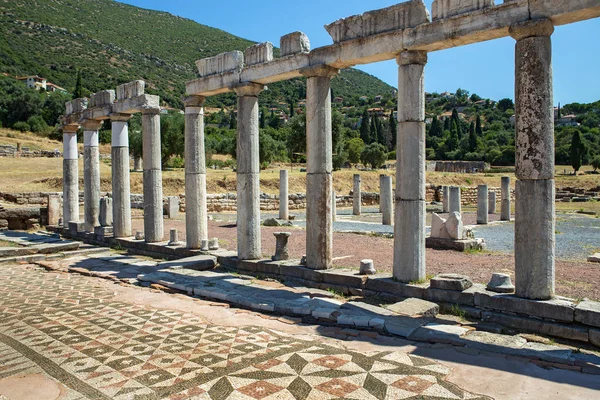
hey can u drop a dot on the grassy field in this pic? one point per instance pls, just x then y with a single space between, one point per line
45 174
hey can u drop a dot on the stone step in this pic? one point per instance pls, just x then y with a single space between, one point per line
198 263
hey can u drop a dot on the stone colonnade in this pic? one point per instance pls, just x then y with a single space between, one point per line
70 175
91 174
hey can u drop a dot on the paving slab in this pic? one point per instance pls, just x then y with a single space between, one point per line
415 307
440 333
202 262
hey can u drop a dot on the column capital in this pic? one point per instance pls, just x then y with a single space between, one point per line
410 57
120 117
92 124
537 27
322 70
70 129
150 110
194 101
249 89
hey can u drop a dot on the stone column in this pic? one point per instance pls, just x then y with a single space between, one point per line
70 176
333 206
482 204
196 215
319 178
356 198
386 200
454 202
283 195
409 230
492 202
153 194
121 190
248 172
445 200
138 164
535 189
91 175
505 206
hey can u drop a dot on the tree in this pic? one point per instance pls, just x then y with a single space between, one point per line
473 142
374 155
577 151
78 93
436 128
393 130
365 131
232 120
263 116
292 104
456 120
595 163
355 146
506 104
478 129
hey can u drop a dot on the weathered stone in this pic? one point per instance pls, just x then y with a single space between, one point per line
174 238
121 189
213 244
367 267
198 263
172 207
438 227
204 245
284 211
258 54
139 235
344 277
451 282
130 90
441 9
356 195
281 246
594 337
403 326
91 175
386 201
588 313
454 226
294 43
415 307
454 204
440 333
445 199
501 283
482 204
595 258
53 209
106 212
224 62
77 105
492 202
505 210
386 284
102 98
559 310
405 15
274 222
494 342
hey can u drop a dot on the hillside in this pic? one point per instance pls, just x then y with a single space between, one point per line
112 43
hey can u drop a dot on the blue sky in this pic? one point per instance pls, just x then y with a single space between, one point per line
484 68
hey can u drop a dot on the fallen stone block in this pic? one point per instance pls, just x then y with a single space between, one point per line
415 307
56 247
595 258
451 282
588 313
403 326
198 263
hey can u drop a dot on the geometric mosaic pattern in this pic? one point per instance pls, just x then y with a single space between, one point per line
70 329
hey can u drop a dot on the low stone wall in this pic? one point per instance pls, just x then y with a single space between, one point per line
468 167
22 218
13 151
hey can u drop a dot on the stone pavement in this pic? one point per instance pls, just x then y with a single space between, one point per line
72 330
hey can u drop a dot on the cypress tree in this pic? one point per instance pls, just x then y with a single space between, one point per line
577 151
365 130
78 93
232 120
472 137
436 128
456 119
478 129
263 116
393 130
447 125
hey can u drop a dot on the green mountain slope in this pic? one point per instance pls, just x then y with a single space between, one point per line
113 43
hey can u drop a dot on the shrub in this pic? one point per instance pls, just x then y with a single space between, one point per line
37 124
21 126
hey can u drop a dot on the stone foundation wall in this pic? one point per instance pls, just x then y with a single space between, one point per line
465 167
13 151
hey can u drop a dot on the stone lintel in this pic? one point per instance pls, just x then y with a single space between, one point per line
540 27
91 124
98 113
130 90
136 104
411 57
214 84
322 70
259 54
280 69
194 101
249 89
448 8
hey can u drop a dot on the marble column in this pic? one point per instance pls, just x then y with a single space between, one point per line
70 175
284 212
492 202
409 229
357 197
196 215
333 206
534 139
248 172
454 201
445 199
482 204
319 178
91 175
153 193
121 189
505 205
386 200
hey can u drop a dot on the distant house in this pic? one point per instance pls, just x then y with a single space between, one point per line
513 120
378 98
447 95
377 111
338 100
33 81
51 87
567 120
364 99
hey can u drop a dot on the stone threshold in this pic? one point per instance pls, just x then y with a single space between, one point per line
561 317
354 318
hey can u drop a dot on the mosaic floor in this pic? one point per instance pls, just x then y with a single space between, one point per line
73 330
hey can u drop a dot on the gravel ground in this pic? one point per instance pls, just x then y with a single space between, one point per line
574 278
